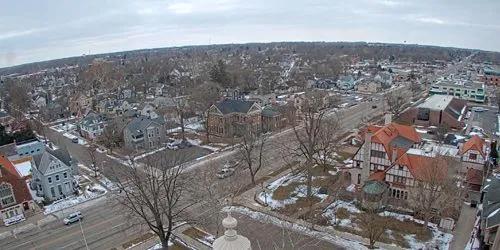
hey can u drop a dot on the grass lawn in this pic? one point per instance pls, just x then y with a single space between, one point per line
395 229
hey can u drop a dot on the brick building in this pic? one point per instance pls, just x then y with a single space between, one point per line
229 117
437 110
15 198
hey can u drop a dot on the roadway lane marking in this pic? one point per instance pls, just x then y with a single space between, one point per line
51 234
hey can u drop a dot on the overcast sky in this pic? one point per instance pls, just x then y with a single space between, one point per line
42 30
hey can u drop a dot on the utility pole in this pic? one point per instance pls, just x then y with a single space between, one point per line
84 239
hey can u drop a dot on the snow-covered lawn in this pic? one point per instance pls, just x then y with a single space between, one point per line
36 198
265 218
90 192
439 240
299 191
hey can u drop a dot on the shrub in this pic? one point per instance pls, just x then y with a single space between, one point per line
342 213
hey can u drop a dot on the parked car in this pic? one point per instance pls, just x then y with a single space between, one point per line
374 106
74 217
231 164
184 144
74 139
225 172
171 145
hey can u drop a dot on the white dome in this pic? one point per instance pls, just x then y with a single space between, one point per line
231 240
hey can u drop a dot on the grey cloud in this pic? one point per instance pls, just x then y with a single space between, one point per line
40 30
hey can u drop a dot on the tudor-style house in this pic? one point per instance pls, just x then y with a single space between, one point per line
473 153
230 117
53 174
15 199
399 157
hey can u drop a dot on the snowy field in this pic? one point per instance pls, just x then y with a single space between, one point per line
300 190
265 218
440 240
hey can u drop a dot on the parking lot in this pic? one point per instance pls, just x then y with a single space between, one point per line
487 120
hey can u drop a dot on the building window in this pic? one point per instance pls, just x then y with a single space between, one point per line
378 154
59 188
6 195
52 192
157 131
65 175
473 156
150 144
57 177
49 179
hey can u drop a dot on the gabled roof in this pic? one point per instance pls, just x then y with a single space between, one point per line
396 136
423 167
474 143
234 106
139 124
43 160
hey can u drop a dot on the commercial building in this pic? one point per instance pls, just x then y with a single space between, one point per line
470 91
437 110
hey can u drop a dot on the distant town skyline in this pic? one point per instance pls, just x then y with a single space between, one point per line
43 30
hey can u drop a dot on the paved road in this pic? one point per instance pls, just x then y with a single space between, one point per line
106 227
103 226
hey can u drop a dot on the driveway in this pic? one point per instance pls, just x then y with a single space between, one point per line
463 227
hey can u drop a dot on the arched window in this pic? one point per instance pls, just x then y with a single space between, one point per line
6 195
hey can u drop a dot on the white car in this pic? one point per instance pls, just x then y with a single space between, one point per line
74 217
225 172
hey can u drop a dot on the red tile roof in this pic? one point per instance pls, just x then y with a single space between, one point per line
474 176
379 175
424 167
474 143
385 135
8 166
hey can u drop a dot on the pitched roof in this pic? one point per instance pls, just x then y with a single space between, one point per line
474 143
400 137
234 106
474 176
139 124
42 161
8 166
424 167
378 175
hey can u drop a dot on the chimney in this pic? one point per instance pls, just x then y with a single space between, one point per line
365 171
388 119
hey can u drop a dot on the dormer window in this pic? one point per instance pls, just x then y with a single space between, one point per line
473 156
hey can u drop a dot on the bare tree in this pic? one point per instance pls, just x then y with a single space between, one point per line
112 135
440 133
202 97
316 135
182 108
372 224
18 100
395 101
101 75
91 152
415 88
436 188
156 193
251 151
